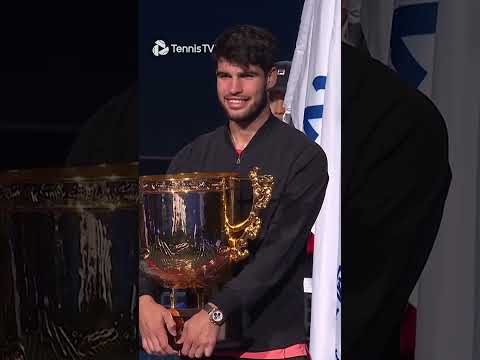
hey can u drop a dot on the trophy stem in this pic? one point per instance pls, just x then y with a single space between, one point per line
200 298
179 321
173 300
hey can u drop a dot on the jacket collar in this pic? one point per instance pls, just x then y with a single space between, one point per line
264 129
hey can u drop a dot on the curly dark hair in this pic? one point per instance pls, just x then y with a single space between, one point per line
247 45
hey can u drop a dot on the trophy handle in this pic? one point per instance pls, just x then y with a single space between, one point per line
262 186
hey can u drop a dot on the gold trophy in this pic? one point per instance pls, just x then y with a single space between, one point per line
190 234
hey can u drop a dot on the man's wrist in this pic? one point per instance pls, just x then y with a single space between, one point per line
215 314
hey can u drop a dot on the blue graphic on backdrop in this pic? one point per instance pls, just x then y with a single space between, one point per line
419 19
314 111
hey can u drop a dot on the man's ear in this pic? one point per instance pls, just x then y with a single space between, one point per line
271 78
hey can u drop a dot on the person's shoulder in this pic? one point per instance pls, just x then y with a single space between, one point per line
194 151
368 78
364 77
298 143
204 140
373 92
294 137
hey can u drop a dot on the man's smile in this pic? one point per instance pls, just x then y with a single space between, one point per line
236 103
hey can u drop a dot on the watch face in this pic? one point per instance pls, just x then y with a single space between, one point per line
217 316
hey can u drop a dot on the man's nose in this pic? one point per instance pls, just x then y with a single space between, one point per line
236 86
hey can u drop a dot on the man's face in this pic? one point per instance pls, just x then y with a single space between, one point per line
242 91
275 99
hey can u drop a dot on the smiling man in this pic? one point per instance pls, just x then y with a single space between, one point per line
268 290
240 90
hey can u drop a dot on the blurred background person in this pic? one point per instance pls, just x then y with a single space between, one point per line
276 95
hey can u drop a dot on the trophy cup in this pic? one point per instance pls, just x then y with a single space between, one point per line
188 238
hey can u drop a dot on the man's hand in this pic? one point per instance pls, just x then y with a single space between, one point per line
199 336
153 319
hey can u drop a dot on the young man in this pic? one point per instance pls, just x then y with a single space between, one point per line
269 288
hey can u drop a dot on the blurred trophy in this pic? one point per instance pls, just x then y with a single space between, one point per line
70 263
191 232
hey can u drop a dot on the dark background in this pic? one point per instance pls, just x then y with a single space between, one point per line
60 61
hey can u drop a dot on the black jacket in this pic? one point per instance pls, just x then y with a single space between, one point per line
269 288
395 178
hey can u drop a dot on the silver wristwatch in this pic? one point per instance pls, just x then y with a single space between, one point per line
215 315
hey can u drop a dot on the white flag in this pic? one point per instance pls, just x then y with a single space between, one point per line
313 100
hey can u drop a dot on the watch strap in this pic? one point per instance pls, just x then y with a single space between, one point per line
209 308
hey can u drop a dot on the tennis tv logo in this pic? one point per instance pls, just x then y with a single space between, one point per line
160 48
